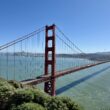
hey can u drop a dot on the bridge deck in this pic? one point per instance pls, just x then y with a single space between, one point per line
45 78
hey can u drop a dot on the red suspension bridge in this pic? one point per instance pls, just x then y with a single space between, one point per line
42 56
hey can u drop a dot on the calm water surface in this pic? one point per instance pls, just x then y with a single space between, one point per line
90 87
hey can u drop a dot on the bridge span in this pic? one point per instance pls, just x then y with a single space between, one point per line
55 54
46 78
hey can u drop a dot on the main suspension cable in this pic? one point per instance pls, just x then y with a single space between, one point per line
21 38
69 40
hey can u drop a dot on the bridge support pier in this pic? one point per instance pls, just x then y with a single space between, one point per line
49 87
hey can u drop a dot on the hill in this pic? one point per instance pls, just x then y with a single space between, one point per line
15 96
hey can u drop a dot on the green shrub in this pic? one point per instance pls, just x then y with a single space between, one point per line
28 106
56 104
6 91
41 97
22 95
69 103
15 96
15 84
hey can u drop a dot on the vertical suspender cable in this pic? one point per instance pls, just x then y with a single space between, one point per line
14 61
7 65
25 58
27 54
21 58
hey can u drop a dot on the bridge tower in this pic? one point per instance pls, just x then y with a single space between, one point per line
49 87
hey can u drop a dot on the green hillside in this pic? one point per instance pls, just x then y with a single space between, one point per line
15 96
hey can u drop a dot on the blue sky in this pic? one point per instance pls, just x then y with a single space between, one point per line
86 22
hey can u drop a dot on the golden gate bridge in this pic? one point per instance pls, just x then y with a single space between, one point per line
42 56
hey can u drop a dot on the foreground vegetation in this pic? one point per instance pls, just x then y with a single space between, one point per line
15 96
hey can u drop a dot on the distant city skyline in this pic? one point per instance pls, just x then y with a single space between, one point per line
85 22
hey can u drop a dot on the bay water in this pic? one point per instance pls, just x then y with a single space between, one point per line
89 87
